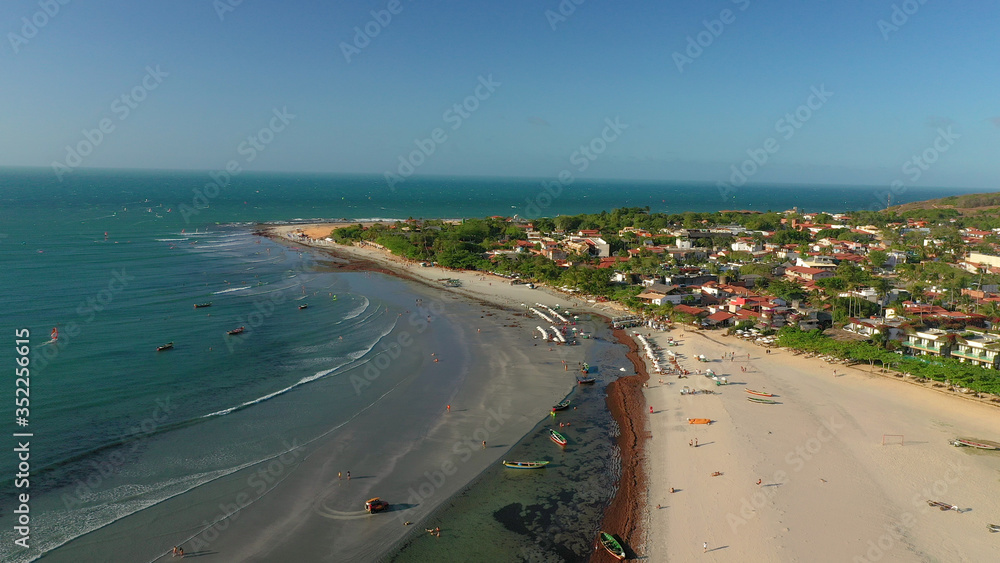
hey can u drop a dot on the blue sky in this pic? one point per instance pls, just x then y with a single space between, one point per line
895 91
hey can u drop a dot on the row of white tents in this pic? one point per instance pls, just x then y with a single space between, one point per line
651 352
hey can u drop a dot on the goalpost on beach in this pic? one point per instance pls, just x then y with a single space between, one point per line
891 439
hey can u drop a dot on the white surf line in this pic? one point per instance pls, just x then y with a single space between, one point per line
323 435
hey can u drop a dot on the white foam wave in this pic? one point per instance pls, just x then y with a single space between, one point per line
170 239
230 290
357 310
351 357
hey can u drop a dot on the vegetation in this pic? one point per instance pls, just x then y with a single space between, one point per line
947 370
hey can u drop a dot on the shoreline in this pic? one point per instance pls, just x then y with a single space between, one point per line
624 514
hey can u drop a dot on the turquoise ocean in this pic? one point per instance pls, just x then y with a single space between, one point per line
116 261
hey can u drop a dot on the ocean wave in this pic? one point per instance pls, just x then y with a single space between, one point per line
230 290
351 357
170 239
356 311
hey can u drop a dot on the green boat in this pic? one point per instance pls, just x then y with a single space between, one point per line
557 437
611 544
764 401
525 464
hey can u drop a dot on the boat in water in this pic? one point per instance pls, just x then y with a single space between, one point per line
167 346
236 331
561 406
202 305
972 443
759 393
557 437
525 464
762 401
304 306
611 544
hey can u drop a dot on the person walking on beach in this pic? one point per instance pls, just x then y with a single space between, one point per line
759 481
348 475
704 547
338 475
695 445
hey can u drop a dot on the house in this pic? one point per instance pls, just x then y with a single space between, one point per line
721 318
688 310
805 273
931 341
978 348
873 326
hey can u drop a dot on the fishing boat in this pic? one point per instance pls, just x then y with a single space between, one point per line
202 305
167 346
699 421
762 401
759 393
993 527
611 544
561 406
236 331
981 444
304 306
557 437
525 464
942 505
586 380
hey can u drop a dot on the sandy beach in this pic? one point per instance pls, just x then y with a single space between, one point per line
829 489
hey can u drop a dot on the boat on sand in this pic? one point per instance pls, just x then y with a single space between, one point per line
972 443
557 437
762 401
561 406
699 421
943 505
759 393
525 464
611 544
587 380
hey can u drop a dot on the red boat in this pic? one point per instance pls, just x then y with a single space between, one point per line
236 331
758 393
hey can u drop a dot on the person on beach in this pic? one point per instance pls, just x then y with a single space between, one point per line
348 475
704 547
759 481
695 445
484 444
338 475
449 408
691 443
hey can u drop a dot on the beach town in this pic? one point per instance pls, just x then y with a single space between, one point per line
740 443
